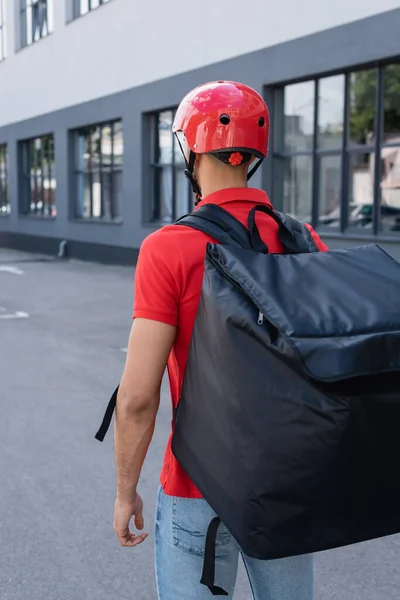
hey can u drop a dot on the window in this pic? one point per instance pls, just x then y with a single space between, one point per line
36 20
98 171
4 203
82 7
328 133
3 41
171 195
38 179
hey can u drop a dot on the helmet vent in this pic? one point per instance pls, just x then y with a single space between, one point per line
225 119
261 122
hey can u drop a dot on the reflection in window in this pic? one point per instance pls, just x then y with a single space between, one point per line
36 17
361 190
38 178
389 218
330 178
363 94
331 112
295 177
342 169
391 104
4 202
3 41
98 171
299 101
82 7
170 190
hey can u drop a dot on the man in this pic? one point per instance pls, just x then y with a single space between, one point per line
223 130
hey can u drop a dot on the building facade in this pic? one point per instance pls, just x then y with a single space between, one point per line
88 90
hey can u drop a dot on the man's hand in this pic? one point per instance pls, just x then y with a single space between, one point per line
123 512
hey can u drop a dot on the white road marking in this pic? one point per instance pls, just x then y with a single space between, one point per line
12 270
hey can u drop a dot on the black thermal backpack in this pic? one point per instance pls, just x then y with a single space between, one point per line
289 417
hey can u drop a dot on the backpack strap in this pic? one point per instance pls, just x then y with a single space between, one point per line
208 575
226 229
105 425
219 224
293 235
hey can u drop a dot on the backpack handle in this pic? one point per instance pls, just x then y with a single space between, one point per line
286 237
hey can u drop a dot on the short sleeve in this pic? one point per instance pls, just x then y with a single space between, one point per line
157 280
320 244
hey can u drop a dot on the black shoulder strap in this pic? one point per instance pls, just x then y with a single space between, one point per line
223 227
208 575
105 425
219 224
293 235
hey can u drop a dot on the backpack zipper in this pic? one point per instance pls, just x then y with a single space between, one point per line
236 284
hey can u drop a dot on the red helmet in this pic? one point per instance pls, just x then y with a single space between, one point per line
224 116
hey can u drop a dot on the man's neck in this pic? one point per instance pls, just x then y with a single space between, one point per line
217 186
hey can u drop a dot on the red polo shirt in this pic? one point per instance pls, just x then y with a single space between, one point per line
168 282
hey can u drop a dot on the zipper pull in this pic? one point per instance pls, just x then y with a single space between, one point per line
260 320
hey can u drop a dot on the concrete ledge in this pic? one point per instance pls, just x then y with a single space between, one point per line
93 252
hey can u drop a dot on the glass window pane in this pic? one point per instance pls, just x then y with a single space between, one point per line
50 16
162 195
389 219
293 186
391 103
118 144
96 195
95 147
117 194
83 195
330 112
361 191
165 134
106 190
362 107
299 102
80 154
182 194
84 7
330 174
106 146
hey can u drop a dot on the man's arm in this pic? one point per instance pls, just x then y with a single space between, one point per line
138 400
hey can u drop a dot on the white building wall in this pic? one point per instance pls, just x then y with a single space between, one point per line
126 43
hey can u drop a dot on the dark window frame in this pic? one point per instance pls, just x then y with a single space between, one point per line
77 9
41 21
346 152
101 170
156 167
4 196
33 199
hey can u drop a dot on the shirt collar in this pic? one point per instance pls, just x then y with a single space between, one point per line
236 194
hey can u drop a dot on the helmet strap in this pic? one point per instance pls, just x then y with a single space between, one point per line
254 169
189 171
191 177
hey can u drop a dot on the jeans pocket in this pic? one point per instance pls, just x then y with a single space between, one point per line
190 521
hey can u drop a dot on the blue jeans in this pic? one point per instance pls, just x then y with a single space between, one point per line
181 526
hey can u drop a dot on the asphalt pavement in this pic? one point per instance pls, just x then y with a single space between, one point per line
63 328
